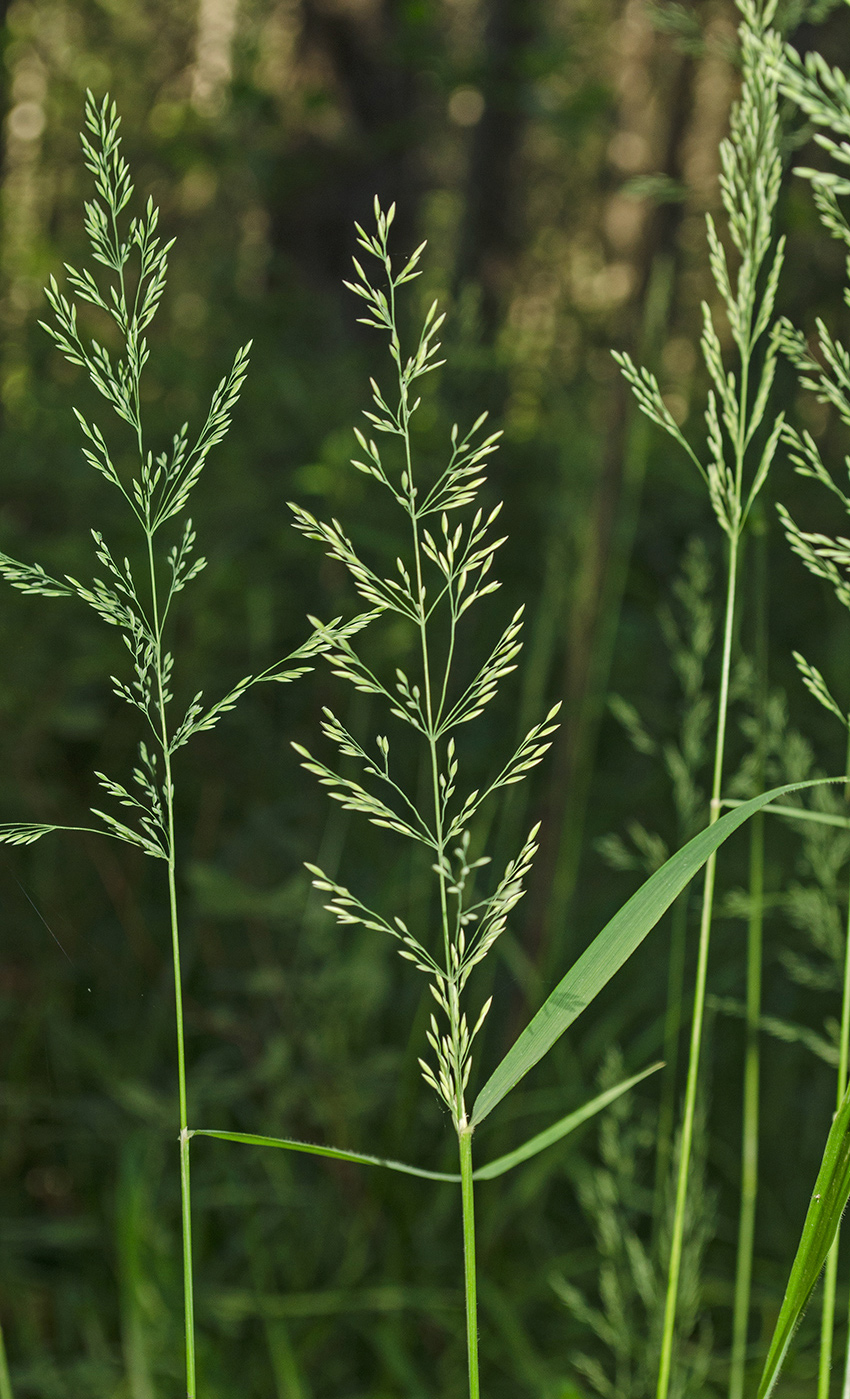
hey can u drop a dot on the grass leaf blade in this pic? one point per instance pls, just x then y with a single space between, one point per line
289 1144
829 1198
612 947
561 1128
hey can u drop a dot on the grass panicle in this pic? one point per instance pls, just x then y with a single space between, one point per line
446 571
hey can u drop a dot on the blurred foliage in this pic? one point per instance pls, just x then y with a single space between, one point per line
559 158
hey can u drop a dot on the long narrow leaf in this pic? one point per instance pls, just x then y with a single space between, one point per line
802 813
613 946
561 1128
829 1198
489 1172
248 1139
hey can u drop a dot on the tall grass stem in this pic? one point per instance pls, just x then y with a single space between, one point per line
827 1321
831 1270
469 1269
672 1031
158 493
749 187
464 1134
672 1296
752 1063
185 1173
750 1137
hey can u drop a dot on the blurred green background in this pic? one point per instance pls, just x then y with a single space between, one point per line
559 156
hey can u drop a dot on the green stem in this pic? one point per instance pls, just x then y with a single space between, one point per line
755 928
827 1321
672 1297
469 1274
5 1378
831 1270
185 1176
157 623
672 1028
749 1147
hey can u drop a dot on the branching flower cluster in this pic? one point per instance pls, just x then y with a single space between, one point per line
751 173
822 94
158 493
445 572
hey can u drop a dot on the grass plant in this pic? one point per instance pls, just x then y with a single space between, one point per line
138 597
739 461
820 92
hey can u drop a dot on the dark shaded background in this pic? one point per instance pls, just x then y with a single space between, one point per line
559 156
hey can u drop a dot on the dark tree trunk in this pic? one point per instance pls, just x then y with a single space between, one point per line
330 182
597 599
492 233
5 6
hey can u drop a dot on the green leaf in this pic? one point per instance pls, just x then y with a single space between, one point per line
561 1128
803 813
248 1139
830 1195
613 946
489 1172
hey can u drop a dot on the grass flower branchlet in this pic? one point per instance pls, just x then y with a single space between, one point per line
737 403
138 599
